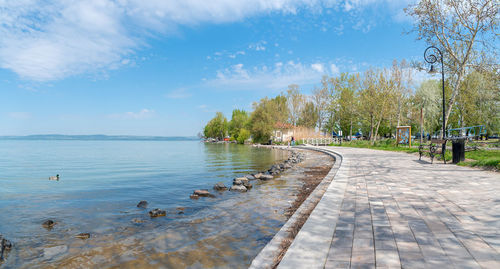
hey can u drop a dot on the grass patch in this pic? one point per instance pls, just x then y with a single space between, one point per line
480 158
483 158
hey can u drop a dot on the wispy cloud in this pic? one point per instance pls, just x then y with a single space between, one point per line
19 115
51 40
276 77
180 93
142 114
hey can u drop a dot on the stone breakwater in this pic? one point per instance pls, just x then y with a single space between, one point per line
242 184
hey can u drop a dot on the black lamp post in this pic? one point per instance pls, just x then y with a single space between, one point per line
432 58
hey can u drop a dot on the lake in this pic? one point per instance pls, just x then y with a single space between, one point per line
101 183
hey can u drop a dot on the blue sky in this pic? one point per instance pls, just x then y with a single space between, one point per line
165 67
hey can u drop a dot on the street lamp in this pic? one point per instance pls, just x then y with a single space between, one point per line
431 57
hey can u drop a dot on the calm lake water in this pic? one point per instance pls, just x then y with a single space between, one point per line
102 182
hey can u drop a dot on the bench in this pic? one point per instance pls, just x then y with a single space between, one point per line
432 149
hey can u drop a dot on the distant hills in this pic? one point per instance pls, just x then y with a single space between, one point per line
100 137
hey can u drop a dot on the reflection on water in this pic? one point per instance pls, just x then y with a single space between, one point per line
102 181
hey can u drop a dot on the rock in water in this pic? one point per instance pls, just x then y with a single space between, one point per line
203 193
48 253
83 235
240 181
48 224
239 188
219 186
250 177
142 204
5 246
258 175
266 177
157 213
247 185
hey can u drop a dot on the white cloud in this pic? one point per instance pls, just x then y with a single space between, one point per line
318 67
142 114
276 77
50 40
334 70
19 115
180 93
259 46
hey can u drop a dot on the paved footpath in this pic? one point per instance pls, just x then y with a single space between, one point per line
390 210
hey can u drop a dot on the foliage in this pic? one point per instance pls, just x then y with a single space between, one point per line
217 127
238 121
464 30
308 116
243 135
265 116
295 103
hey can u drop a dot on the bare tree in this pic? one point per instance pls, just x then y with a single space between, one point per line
463 29
321 99
295 102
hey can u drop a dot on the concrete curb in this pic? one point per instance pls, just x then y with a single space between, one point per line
310 247
267 256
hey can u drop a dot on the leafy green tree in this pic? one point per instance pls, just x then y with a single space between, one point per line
238 121
308 116
345 95
217 127
266 114
243 135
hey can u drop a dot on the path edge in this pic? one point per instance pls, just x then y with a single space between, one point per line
268 255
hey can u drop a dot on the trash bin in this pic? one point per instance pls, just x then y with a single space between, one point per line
458 148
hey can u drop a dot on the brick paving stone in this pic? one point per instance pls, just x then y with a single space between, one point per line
398 212
387 258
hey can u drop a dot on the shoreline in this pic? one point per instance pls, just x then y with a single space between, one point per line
270 256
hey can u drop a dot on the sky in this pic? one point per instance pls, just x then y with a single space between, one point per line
133 67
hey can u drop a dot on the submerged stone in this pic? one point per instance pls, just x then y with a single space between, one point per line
5 246
157 213
142 204
83 235
48 224
48 253
219 186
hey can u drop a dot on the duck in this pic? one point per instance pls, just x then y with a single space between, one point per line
54 178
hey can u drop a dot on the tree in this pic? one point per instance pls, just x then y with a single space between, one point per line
295 103
463 29
427 97
238 121
345 90
265 116
401 76
478 101
321 99
308 116
217 127
243 135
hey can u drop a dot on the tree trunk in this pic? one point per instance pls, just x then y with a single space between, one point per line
376 131
371 127
421 125
350 131
453 96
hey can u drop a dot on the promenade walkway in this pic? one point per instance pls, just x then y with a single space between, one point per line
390 210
